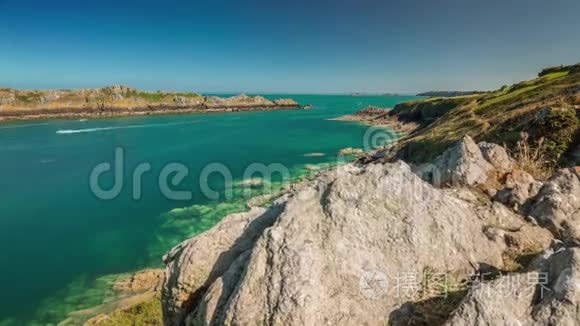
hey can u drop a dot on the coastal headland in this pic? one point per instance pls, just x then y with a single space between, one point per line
118 100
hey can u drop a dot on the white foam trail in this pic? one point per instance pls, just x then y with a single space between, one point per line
25 126
78 131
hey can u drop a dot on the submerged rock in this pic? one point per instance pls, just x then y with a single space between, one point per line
332 252
350 151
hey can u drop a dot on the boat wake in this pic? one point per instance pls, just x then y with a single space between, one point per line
78 131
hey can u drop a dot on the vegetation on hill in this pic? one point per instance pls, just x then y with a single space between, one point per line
449 93
546 109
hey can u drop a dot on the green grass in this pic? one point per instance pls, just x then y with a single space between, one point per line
145 313
555 75
498 117
506 96
152 97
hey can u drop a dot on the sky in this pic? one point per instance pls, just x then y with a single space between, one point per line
298 46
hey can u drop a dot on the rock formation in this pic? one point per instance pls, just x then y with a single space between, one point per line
557 206
308 259
118 100
547 295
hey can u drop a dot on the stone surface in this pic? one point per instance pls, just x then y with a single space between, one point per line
519 187
145 280
546 296
285 102
557 206
307 262
497 156
7 98
239 101
351 151
462 164
196 263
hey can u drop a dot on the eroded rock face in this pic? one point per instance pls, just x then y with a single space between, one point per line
195 264
305 263
549 295
557 206
464 164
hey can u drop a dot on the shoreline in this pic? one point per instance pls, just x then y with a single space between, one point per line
140 286
92 113
374 117
119 100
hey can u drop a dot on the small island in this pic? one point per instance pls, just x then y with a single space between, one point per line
120 100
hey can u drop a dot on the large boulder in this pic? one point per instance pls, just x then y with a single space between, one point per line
332 253
462 164
195 264
549 295
557 206
497 156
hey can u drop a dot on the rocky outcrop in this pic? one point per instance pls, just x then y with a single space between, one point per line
118 92
548 295
463 164
557 206
497 156
239 101
195 264
142 281
332 252
519 186
285 102
7 98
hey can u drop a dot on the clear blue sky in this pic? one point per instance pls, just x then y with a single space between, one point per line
314 46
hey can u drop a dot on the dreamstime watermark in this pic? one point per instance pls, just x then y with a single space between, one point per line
174 174
257 178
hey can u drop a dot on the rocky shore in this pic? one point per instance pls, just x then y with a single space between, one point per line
446 227
380 117
437 229
332 251
122 101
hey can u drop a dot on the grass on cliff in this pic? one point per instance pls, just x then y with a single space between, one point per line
145 313
542 107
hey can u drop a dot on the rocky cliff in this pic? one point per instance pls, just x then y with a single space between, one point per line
390 243
121 100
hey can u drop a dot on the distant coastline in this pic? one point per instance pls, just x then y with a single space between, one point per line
113 101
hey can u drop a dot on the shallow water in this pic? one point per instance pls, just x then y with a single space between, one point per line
61 243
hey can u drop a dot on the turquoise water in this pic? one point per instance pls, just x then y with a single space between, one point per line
60 243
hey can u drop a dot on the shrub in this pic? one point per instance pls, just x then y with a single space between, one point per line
532 158
557 128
